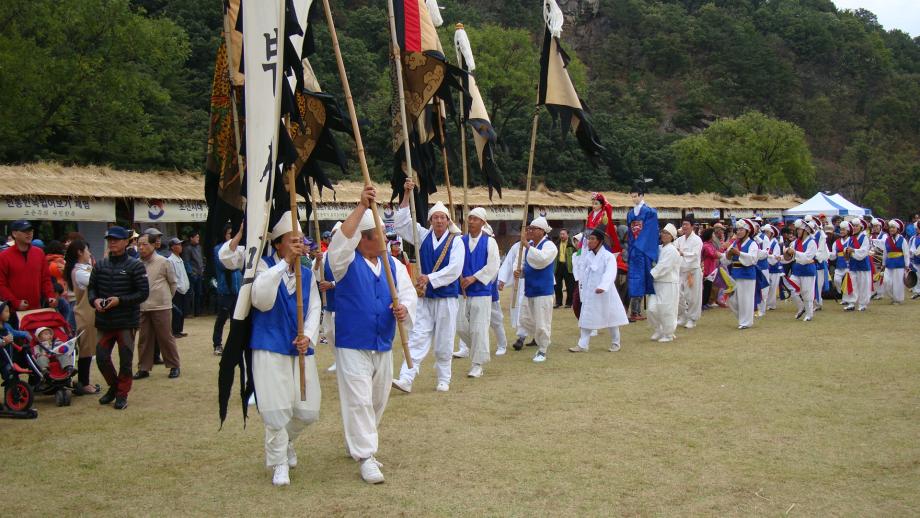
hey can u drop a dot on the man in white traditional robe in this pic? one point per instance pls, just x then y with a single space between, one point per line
496 318
662 305
480 266
601 306
690 247
860 265
441 251
741 256
365 327
801 253
275 347
539 291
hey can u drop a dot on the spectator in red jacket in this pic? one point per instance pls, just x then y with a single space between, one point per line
24 277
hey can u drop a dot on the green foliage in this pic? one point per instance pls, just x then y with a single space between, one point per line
127 82
752 153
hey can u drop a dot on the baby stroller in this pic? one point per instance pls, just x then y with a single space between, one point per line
57 380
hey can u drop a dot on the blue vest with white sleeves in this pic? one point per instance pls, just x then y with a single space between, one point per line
364 319
538 283
804 270
429 256
740 271
859 265
474 261
275 330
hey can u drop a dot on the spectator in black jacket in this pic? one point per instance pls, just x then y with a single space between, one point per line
116 288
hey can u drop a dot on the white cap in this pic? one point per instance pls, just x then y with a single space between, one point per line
282 227
367 221
487 229
671 229
542 224
480 213
40 329
438 207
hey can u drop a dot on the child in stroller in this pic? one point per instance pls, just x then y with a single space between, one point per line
47 346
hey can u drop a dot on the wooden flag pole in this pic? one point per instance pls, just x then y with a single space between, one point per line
410 171
466 205
520 257
450 196
362 160
319 266
298 276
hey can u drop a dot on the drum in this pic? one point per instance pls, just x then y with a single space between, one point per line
910 280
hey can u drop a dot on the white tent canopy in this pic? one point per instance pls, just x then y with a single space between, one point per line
829 205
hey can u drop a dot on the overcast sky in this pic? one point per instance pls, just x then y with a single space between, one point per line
892 14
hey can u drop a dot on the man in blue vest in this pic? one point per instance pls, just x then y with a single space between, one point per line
539 292
438 284
327 286
741 259
496 320
365 325
480 267
801 253
276 346
857 254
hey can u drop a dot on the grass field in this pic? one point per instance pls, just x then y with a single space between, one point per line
788 418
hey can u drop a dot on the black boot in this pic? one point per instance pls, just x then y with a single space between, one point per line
108 397
518 344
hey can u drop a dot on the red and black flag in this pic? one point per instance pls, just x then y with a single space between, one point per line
473 112
426 75
557 92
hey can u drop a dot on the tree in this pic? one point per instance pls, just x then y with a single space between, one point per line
752 153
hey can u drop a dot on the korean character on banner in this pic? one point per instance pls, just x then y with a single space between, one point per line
23 203
10 203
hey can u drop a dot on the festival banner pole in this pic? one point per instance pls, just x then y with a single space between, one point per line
362 160
319 266
520 257
450 197
410 171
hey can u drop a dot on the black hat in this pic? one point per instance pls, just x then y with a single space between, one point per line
598 233
639 186
21 225
117 232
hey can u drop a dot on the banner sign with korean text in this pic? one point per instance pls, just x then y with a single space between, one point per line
52 208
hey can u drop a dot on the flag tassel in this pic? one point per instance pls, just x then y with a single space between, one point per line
362 160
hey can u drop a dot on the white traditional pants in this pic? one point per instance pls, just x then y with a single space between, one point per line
496 323
691 296
277 381
773 290
894 284
662 308
847 298
516 314
764 293
862 288
329 327
584 338
537 319
805 299
742 301
364 379
473 326
435 321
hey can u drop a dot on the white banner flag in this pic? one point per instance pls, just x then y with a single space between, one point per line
263 30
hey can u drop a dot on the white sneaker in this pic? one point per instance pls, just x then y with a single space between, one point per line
656 336
539 358
442 387
681 322
690 324
501 351
331 368
281 477
476 371
292 456
577 349
370 471
664 339
403 385
614 348
462 353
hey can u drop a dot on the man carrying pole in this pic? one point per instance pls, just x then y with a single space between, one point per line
276 347
438 283
364 340
537 311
